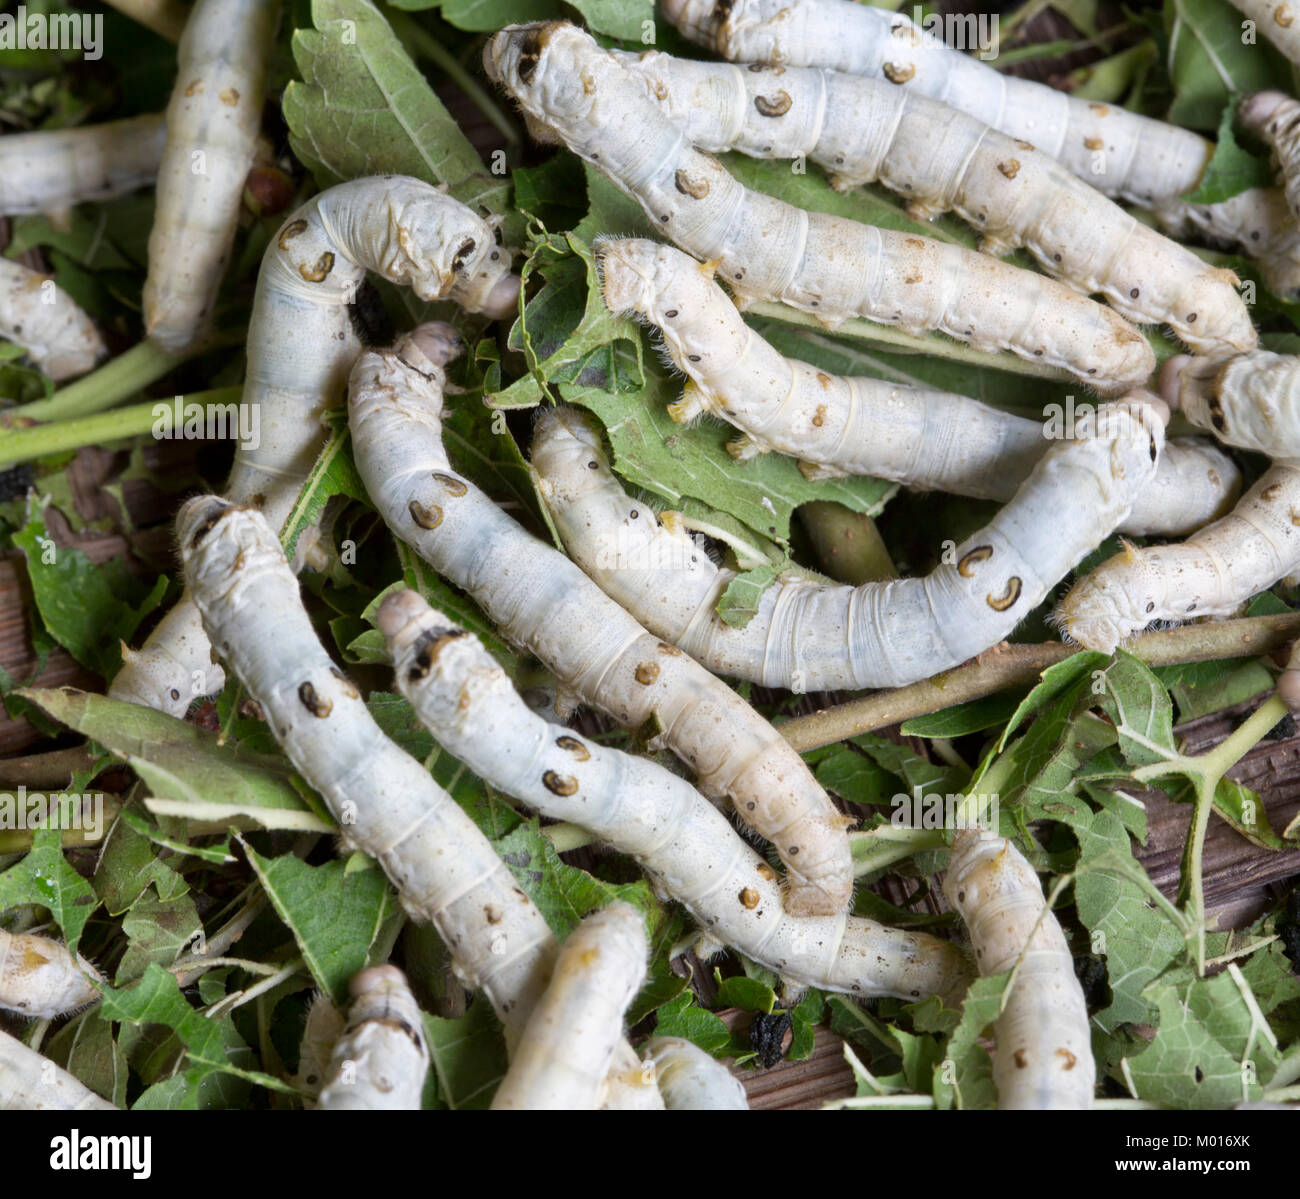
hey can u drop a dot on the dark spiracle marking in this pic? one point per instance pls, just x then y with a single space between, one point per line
313 702
1001 603
559 784
530 54
463 251
290 231
426 518
970 559
450 483
773 106
427 648
574 746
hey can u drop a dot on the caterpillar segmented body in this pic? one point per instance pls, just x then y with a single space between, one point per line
687 845
812 637
41 317
212 125
1116 151
380 1061
386 803
1212 573
324 1027
1044 1049
691 1080
42 979
863 130
766 249
1276 20
301 345
568 1045
863 426
31 1082
543 602
1251 401
1276 118
50 170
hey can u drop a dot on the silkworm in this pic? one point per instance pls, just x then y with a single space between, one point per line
1044 1050
1276 20
691 1080
381 1060
1258 223
301 345
41 317
212 125
31 1082
861 426
1276 118
42 979
544 603
386 803
687 846
866 130
1251 401
568 1045
766 249
813 637
323 1028
1212 573
50 170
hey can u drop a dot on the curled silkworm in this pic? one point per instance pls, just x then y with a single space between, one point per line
1116 151
1276 118
688 847
812 637
691 1080
766 249
42 318
386 803
863 130
41 978
568 1045
301 345
1212 573
1044 1057
212 125
30 1082
861 426
51 170
544 602
380 1061
1251 400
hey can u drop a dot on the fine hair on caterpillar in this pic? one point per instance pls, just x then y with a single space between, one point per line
766 249
834 425
41 978
683 842
301 345
813 637
544 603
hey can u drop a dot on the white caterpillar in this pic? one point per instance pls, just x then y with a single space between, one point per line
30 1082
863 130
300 347
212 125
1276 118
1251 400
320 1034
863 426
543 602
381 1060
684 843
386 803
1276 20
813 637
50 170
41 978
568 1045
1044 1050
691 1080
1212 573
41 317
1116 151
769 250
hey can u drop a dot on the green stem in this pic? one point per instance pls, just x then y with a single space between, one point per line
880 847
115 381
847 543
22 445
565 836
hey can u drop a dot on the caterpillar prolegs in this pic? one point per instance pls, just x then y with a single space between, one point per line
301 345
769 250
543 602
568 1045
1044 1057
42 979
212 124
687 846
380 1061
863 130
41 317
862 426
811 637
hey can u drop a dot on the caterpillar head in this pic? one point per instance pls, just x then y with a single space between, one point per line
567 455
1255 111
542 67
1209 315
1107 607
693 19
